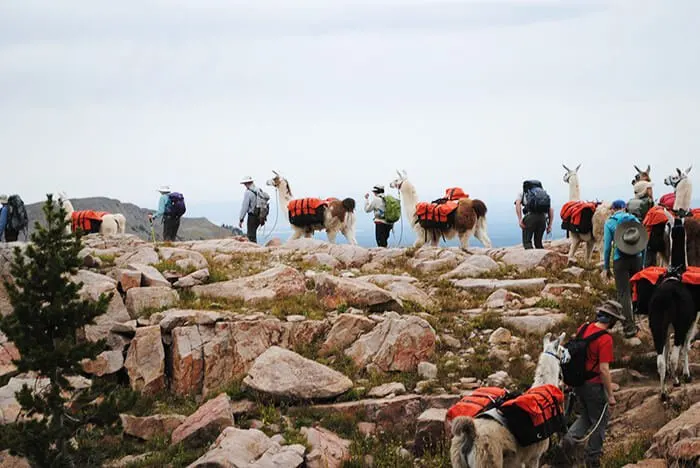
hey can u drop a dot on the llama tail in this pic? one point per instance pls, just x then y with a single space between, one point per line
349 205
479 208
464 433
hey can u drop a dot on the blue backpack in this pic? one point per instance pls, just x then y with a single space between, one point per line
175 206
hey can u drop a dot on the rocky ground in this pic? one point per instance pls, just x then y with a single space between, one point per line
319 355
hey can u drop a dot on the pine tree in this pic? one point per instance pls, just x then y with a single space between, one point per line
47 313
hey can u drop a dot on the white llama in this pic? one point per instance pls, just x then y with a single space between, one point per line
111 223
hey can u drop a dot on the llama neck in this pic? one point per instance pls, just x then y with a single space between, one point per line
547 371
574 188
684 192
284 195
410 198
68 207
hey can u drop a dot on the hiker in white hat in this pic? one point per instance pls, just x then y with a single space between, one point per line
377 205
171 222
248 208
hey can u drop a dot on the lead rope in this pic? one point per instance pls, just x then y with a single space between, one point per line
277 214
392 227
595 428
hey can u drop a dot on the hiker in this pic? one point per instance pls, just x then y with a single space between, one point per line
535 215
171 207
248 209
595 396
384 215
13 217
629 237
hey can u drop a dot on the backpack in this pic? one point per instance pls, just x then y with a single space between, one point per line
573 363
262 205
479 401
175 206
17 219
537 199
636 207
535 415
392 209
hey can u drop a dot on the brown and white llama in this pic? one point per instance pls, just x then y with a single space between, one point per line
338 217
600 216
112 223
485 442
470 217
642 175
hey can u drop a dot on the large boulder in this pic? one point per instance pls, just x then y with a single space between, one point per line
321 259
140 300
396 344
129 279
193 279
276 283
8 353
345 330
334 291
94 285
327 449
475 265
151 427
9 406
682 429
403 288
145 361
529 259
238 448
282 373
535 321
430 430
150 277
183 258
145 255
530 284
107 362
350 255
173 318
188 363
205 423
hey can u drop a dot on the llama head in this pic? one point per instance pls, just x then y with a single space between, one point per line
396 183
570 173
674 179
553 346
642 175
60 197
279 182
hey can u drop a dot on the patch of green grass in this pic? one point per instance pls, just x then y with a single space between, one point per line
216 273
240 265
107 260
345 425
307 305
269 414
293 436
485 321
171 265
177 456
547 303
189 300
626 454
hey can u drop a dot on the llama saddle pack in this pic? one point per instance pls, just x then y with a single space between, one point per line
531 417
307 211
88 221
659 214
577 216
644 282
439 214
668 200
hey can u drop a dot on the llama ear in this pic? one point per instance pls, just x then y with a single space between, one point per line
638 169
687 171
679 172
403 173
566 168
276 173
547 339
399 173
561 338
577 168
648 168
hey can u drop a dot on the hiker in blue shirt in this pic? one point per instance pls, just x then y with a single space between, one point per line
627 259
248 209
3 215
171 224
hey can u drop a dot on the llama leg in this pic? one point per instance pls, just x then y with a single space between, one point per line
464 240
675 356
349 234
331 236
589 250
574 246
686 350
421 235
661 367
481 233
296 233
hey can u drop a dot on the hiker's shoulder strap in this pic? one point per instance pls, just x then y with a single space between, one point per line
594 336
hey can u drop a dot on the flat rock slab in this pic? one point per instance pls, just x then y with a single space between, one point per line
282 373
173 318
205 423
149 275
345 330
534 324
327 449
529 284
145 361
475 265
150 427
334 291
140 300
276 283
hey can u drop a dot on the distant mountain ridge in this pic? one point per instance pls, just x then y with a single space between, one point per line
137 219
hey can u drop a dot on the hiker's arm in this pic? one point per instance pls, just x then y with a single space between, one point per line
245 206
161 208
519 211
607 381
550 221
607 247
369 205
3 221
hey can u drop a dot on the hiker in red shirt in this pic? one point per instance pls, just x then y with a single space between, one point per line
595 396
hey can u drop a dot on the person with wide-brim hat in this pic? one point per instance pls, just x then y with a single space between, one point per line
629 237
171 224
377 205
248 209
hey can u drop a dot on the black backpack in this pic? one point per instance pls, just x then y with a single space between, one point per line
537 199
175 206
17 219
574 369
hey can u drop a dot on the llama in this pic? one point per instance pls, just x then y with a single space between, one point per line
600 216
338 217
111 223
674 305
484 442
470 217
642 175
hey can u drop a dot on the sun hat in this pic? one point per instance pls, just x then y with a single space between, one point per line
618 205
164 189
247 180
641 187
631 237
378 188
611 308
4 198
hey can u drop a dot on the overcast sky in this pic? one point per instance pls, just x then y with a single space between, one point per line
117 98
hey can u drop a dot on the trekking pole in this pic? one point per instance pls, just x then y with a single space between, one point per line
153 231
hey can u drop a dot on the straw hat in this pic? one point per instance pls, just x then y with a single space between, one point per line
164 189
631 237
3 199
247 180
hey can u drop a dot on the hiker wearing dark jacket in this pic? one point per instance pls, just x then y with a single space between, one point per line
627 259
532 224
6 233
377 205
595 396
171 224
248 209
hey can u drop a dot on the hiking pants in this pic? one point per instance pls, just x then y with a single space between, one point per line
625 268
252 227
381 233
170 228
592 400
11 235
535 226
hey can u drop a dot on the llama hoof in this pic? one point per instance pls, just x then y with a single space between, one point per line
687 379
676 383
